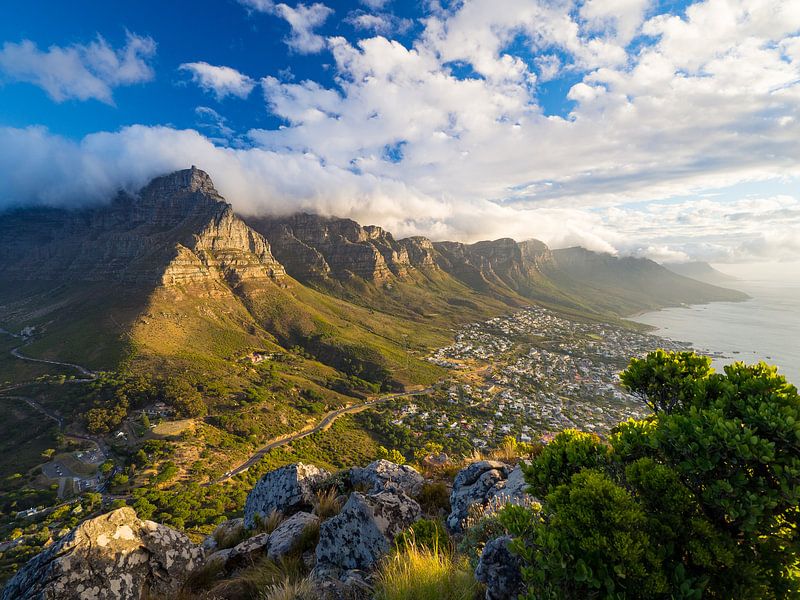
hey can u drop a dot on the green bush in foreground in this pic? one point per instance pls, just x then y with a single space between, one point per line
698 501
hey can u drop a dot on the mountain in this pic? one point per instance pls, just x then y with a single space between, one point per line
701 271
171 277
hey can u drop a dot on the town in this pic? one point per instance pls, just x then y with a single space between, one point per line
533 373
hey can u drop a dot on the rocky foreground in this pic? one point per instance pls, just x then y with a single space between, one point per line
118 556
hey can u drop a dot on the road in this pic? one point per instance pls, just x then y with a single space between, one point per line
82 370
326 422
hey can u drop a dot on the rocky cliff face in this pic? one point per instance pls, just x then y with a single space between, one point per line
177 229
503 262
315 247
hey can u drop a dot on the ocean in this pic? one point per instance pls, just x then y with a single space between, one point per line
766 327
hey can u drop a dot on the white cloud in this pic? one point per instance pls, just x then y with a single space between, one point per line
220 80
375 4
381 23
265 6
304 19
697 103
79 71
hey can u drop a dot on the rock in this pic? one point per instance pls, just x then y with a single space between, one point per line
364 529
500 570
247 552
288 534
289 489
335 584
385 475
473 485
225 531
512 490
220 556
316 247
114 556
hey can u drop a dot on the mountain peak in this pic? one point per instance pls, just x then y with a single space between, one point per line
190 180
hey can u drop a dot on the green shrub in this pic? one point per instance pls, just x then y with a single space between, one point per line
700 500
425 533
568 453
434 498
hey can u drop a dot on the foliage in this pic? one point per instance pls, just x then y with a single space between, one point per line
327 504
700 500
392 455
434 498
183 397
568 453
666 381
425 533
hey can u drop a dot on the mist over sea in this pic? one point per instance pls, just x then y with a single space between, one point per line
766 327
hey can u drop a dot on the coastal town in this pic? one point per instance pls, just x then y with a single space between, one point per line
533 373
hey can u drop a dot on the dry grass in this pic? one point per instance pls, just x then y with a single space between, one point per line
269 523
415 573
327 504
230 538
251 583
289 590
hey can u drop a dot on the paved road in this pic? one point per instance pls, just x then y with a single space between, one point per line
82 370
326 422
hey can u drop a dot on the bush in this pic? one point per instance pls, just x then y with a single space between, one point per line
429 534
699 500
434 498
568 453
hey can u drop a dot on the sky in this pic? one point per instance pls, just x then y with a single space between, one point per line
659 128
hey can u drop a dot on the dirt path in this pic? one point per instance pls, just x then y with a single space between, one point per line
323 424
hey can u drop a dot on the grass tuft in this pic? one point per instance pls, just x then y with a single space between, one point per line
416 573
269 523
326 504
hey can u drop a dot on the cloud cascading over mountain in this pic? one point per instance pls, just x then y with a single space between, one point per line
617 126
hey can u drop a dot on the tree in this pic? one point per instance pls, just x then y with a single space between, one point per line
184 398
699 500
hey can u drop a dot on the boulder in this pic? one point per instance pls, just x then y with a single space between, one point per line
473 485
385 475
500 570
364 530
114 556
289 489
512 490
247 552
286 537
225 531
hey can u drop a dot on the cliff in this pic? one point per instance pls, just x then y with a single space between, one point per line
177 229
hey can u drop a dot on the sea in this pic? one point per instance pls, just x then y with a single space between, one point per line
766 327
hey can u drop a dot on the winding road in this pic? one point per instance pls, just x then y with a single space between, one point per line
324 423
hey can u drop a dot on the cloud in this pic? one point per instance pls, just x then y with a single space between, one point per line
448 136
211 121
380 23
81 72
265 6
304 19
376 4
221 81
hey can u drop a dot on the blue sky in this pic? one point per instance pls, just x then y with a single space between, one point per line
665 129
